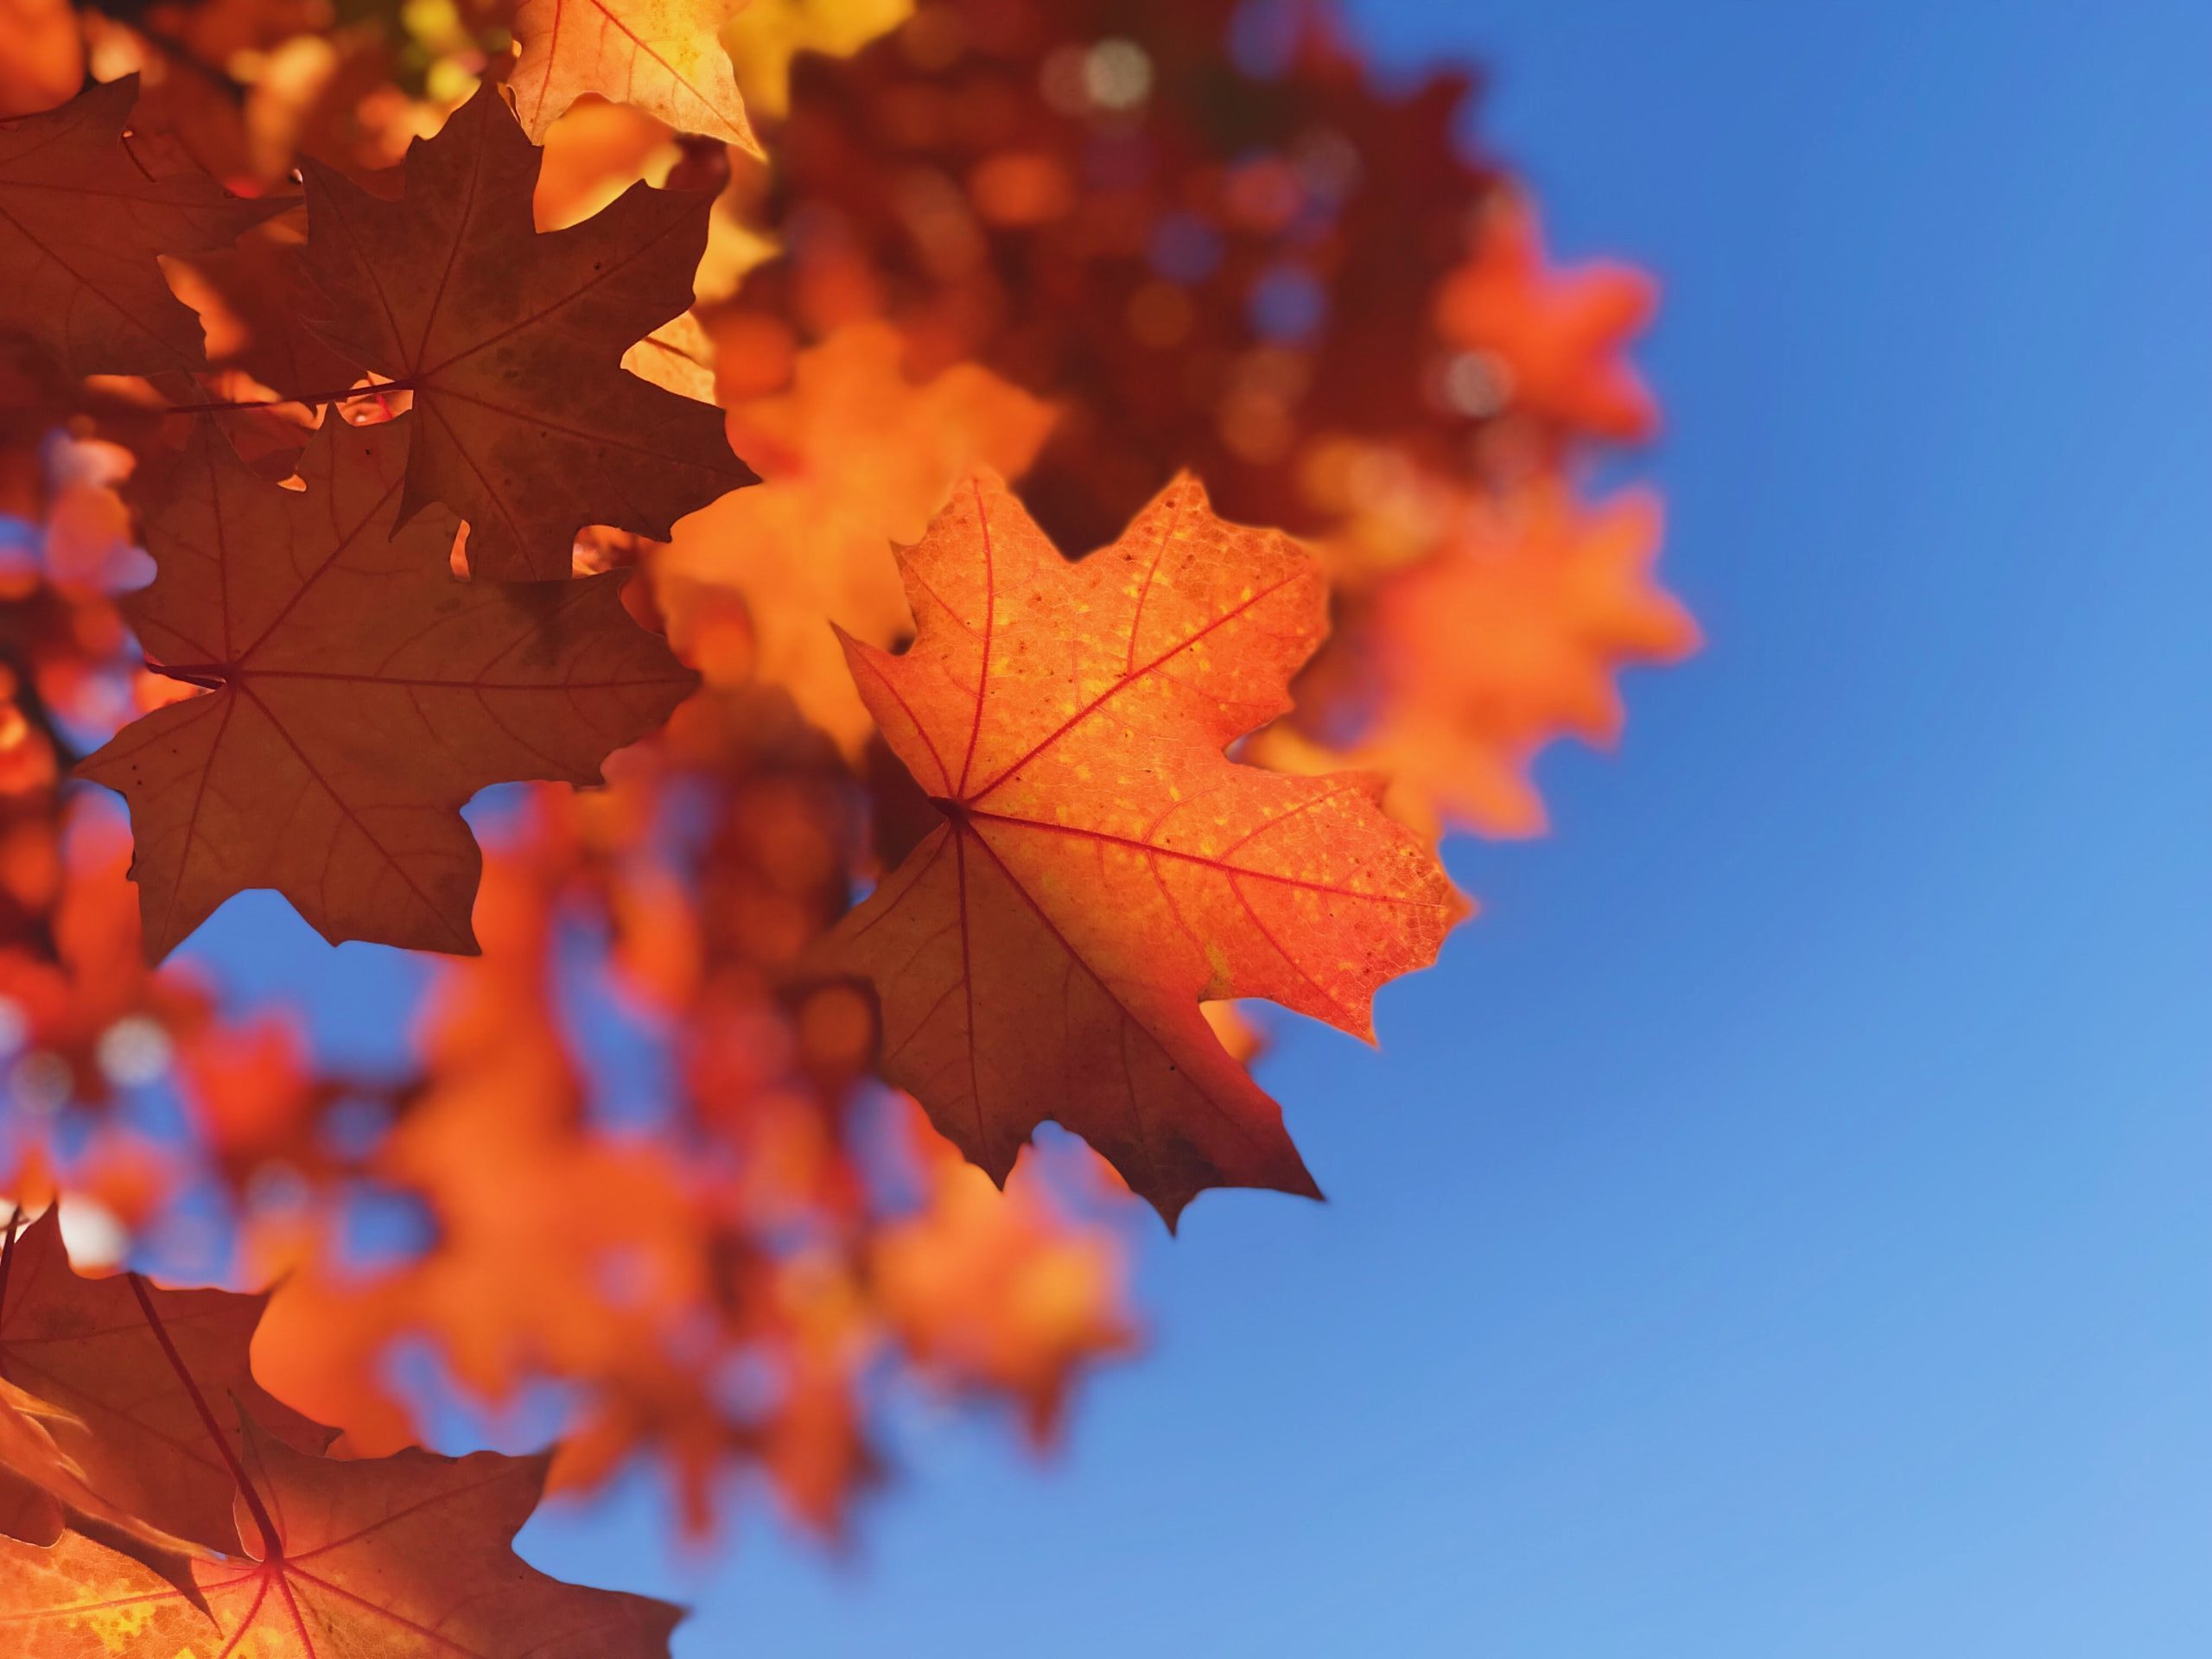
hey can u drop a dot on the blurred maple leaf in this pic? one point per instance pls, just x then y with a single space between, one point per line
1449 674
1210 261
763 36
72 997
41 55
1550 343
855 457
994 1290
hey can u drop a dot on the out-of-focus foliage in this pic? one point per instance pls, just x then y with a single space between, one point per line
638 1151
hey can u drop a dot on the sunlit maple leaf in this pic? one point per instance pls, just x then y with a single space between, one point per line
80 225
137 1437
405 1555
855 457
679 357
511 343
660 55
360 695
1102 867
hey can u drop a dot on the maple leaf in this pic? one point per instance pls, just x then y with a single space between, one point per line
41 55
361 696
676 357
405 1555
512 342
1263 280
101 1373
1556 337
528 1206
1103 868
44 1492
1458 668
765 36
80 225
855 457
999 1290
660 56
94 975
37 1477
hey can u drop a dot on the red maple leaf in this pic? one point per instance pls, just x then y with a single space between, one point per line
1103 868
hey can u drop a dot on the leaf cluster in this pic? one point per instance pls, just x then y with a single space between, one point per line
777 451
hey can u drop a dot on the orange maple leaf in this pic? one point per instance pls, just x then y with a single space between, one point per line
70 997
998 1291
855 457
661 56
1102 867
405 1555
765 38
98 1359
511 343
1556 337
1458 668
360 696
81 224
41 55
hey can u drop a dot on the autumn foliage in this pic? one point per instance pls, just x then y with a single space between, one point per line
974 536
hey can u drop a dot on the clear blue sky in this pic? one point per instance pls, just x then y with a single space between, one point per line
1783 1227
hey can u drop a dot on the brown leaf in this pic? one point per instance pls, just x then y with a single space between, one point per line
512 342
360 696
80 225
1103 868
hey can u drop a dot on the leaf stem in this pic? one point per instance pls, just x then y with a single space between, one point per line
272 1547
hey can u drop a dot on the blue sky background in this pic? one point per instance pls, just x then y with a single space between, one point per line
1782 1226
